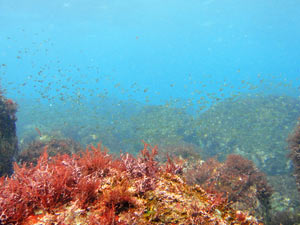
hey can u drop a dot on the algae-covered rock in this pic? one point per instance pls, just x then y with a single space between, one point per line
294 148
238 179
54 147
161 124
8 138
254 126
96 188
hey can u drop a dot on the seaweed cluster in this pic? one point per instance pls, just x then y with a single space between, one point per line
54 146
182 150
285 201
294 147
93 187
161 124
8 138
255 127
238 179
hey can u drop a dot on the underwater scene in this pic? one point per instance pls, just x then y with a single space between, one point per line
117 112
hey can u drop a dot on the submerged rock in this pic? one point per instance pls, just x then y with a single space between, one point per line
95 188
8 138
255 127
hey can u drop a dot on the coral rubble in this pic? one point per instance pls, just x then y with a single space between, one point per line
93 187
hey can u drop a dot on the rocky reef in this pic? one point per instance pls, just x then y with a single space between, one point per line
255 127
93 187
294 148
8 138
238 179
54 146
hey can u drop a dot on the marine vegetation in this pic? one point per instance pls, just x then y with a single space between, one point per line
95 121
255 127
183 151
35 149
161 124
294 147
8 138
93 187
238 179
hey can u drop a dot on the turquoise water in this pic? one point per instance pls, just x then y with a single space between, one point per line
158 46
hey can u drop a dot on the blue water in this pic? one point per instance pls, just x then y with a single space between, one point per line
159 49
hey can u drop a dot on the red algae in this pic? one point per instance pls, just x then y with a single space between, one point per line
93 187
238 179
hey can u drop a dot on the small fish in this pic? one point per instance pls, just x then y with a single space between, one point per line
38 131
